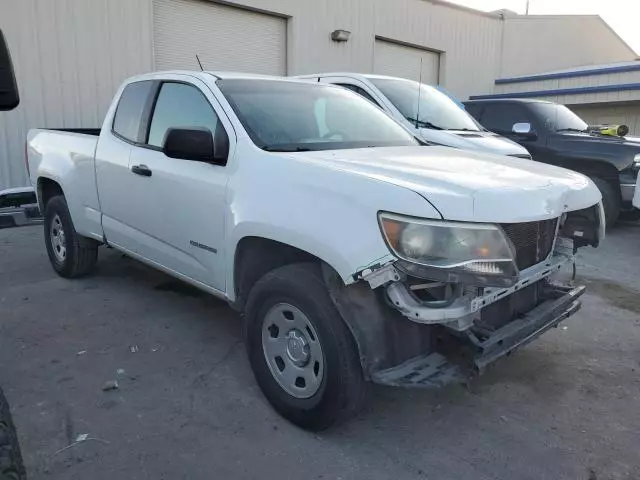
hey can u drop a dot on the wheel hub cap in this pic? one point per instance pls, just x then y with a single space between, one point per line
298 348
58 241
292 349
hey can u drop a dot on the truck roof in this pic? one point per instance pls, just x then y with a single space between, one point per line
507 100
345 74
207 74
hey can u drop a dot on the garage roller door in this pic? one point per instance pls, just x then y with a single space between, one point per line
225 38
402 61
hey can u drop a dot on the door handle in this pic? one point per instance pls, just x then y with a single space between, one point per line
141 170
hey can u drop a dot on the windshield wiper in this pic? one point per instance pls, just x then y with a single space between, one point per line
276 148
571 130
424 124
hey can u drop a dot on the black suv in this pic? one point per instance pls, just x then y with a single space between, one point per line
554 134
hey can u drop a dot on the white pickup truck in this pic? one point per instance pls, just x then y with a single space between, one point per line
354 252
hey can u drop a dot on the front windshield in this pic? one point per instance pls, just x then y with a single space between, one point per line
437 110
558 118
301 116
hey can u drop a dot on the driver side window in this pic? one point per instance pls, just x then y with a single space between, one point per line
501 118
180 105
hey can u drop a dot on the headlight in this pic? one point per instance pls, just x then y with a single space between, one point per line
636 162
474 253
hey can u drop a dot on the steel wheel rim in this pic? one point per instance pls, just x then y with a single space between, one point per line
292 349
58 242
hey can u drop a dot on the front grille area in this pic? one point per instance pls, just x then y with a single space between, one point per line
533 240
526 156
509 308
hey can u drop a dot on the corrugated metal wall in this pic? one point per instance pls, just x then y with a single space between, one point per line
186 28
70 56
538 43
605 79
470 41
413 63
628 114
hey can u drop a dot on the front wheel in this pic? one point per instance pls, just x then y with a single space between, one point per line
610 200
71 255
302 353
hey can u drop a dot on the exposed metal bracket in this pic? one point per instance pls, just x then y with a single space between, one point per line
459 315
382 276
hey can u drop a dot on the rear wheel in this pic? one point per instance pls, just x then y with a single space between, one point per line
301 351
11 466
610 200
71 255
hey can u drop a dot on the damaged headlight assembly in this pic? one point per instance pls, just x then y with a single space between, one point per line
454 252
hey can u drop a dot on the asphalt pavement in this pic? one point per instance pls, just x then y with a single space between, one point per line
187 406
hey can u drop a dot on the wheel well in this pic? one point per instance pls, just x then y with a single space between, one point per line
604 170
256 256
47 189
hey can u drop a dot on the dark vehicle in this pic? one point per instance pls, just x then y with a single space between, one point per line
11 466
554 134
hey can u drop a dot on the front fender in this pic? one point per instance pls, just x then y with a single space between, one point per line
326 212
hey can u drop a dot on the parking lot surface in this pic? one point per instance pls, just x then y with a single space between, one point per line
187 406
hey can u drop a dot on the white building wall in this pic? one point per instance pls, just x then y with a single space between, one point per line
69 57
74 53
469 40
627 114
538 43
606 79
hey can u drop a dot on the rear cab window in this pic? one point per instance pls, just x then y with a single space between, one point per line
128 121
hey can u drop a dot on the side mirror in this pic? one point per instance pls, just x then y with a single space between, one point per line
9 98
524 130
189 144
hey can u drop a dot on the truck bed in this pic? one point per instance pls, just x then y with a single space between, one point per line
64 145
95 132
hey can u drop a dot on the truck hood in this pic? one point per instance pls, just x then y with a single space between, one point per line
469 186
617 151
488 142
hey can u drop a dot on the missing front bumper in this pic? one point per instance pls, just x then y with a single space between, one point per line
436 369
462 312
522 331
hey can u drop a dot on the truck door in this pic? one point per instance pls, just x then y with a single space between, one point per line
113 177
177 207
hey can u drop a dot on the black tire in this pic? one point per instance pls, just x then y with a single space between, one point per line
81 252
11 466
342 389
610 200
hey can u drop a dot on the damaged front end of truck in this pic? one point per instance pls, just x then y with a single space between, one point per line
473 293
